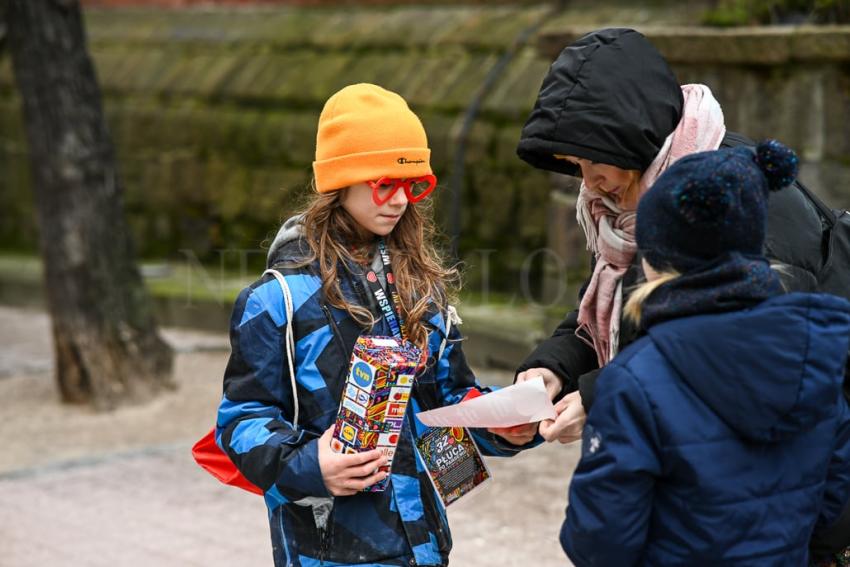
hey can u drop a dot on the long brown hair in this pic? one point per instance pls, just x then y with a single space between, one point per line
335 238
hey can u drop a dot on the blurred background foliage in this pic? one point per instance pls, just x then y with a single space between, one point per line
213 107
777 12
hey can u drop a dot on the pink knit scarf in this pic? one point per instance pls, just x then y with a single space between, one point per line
610 230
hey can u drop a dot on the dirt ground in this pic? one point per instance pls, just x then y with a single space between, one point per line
83 489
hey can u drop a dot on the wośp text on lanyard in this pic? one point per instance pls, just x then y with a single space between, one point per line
390 307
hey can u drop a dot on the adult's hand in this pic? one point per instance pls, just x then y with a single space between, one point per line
550 380
345 475
567 427
516 435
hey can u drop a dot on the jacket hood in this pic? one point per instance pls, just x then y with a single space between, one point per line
769 372
287 244
610 97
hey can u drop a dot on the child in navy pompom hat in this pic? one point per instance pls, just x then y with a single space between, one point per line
711 203
721 436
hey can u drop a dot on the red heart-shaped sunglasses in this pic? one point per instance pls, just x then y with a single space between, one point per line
416 188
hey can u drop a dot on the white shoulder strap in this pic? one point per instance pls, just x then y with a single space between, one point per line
290 339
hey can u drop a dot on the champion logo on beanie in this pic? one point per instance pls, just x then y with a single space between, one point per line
367 132
711 203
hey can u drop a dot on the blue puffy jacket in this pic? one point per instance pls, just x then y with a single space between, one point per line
717 440
406 524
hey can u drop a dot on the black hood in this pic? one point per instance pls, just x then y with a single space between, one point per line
610 97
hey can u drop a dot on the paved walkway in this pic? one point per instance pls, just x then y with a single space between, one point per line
82 489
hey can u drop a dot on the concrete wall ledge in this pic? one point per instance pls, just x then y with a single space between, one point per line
496 336
764 45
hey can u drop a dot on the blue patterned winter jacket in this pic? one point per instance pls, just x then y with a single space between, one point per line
717 439
406 524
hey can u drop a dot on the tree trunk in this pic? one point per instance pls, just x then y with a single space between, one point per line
108 350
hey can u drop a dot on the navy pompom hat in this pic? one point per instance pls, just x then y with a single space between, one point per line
711 203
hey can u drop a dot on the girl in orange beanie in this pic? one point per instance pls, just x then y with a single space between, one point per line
358 261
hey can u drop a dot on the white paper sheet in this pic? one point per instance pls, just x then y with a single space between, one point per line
526 402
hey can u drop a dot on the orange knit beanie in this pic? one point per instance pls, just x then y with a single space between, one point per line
365 133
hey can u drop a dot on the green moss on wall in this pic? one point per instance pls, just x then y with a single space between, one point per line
214 112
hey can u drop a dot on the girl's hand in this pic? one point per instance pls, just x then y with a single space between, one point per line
550 380
345 475
567 427
516 435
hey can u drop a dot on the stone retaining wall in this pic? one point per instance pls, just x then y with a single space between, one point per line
214 113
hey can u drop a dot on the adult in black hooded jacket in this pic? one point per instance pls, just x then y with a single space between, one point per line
610 103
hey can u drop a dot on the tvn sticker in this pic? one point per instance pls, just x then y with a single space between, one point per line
363 375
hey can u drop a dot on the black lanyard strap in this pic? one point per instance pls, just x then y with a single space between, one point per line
390 307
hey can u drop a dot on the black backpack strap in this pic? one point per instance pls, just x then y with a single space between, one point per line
829 215
734 139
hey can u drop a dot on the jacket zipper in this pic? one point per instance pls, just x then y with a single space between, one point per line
332 323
